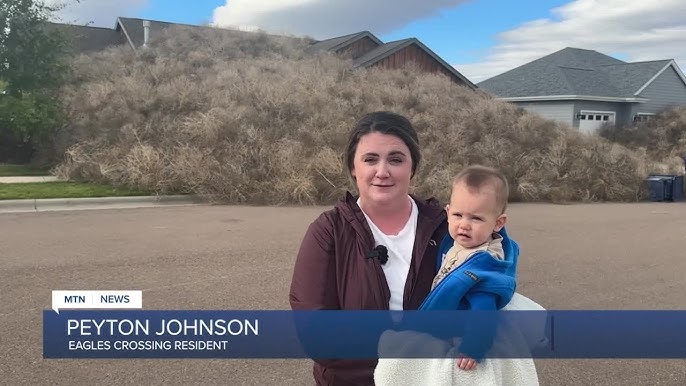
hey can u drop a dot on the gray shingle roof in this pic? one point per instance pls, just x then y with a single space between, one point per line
588 82
573 71
85 39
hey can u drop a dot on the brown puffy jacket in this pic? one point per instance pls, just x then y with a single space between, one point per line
333 273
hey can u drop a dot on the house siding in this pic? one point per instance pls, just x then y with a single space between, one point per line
358 48
562 112
665 91
416 55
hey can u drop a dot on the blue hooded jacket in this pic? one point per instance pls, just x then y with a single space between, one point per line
481 283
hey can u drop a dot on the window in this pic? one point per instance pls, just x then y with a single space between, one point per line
606 116
642 117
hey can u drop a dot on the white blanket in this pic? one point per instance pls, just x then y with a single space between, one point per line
444 371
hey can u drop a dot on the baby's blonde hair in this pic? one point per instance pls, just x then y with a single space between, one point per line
476 176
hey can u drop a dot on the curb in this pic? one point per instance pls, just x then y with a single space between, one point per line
61 204
16 206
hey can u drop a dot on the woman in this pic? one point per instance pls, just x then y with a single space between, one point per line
340 265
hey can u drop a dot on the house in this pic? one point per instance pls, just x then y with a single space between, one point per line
133 32
355 45
87 39
585 89
364 48
368 51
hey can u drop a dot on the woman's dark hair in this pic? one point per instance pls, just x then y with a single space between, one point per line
384 122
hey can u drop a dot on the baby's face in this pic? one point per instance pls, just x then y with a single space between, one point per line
473 214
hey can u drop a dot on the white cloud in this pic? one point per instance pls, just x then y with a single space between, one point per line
322 19
628 30
100 13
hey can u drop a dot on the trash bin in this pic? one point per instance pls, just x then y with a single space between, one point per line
666 187
657 187
678 188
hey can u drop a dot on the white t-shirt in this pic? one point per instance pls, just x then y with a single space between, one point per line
400 249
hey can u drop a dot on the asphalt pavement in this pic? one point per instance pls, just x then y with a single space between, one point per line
595 256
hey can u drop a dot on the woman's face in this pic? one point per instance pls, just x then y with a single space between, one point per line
382 168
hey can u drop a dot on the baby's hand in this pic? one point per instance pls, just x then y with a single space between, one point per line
465 363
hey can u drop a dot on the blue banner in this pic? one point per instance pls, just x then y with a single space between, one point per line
362 334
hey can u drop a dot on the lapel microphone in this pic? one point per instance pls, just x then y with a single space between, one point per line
380 252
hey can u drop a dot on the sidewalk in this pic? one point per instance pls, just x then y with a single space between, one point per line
64 204
19 180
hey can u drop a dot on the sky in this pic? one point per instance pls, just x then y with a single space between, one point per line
480 38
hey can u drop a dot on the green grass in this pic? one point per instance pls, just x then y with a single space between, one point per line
9 170
64 190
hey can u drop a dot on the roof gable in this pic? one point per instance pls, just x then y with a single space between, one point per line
630 77
388 49
574 72
338 43
672 65
380 52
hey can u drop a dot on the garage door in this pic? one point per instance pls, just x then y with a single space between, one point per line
590 121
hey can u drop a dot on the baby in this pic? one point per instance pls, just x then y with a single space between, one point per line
476 213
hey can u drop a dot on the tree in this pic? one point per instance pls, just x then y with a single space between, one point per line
32 68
